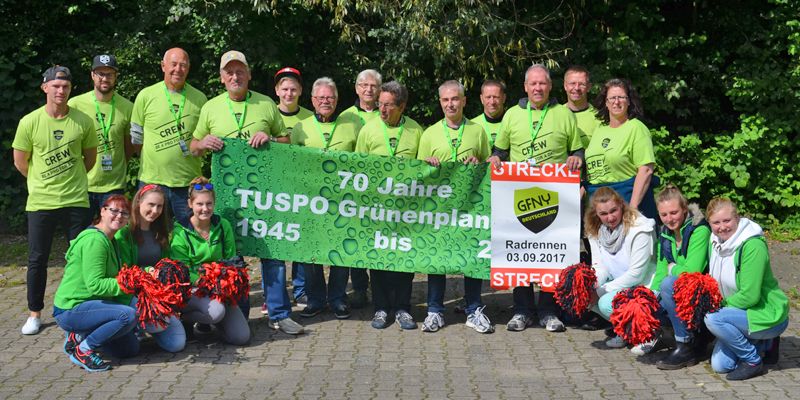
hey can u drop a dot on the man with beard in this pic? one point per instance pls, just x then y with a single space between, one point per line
112 119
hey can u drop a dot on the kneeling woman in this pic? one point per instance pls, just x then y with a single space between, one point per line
89 304
203 238
144 242
755 311
622 242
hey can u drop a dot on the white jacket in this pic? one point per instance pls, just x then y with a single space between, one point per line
640 243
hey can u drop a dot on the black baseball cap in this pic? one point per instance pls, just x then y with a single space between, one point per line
57 72
104 60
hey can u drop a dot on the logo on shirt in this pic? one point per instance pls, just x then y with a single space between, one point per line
494 136
100 117
327 136
393 143
454 142
176 108
535 208
605 142
58 134
238 117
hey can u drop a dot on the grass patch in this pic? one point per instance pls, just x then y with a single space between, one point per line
785 231
11 276
15 251
793 293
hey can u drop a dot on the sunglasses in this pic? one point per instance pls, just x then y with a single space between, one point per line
116 211
200 186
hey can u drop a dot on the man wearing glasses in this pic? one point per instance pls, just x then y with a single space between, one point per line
112 119
54 146
537 130
577 85
164 116
326 131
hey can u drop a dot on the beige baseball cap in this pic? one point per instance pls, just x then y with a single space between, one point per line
232 55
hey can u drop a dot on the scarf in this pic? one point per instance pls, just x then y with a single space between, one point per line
611 241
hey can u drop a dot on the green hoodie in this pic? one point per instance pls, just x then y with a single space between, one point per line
93 263
129 248
190 248
696 258
758 291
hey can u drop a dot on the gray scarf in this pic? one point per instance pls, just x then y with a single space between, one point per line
611 241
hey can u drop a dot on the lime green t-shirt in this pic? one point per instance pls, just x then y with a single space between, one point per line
165 153
375 136
439 139
261 115
56 172
291 119
101 178
342 133
615 154
363 116
587 123
491 128
557 137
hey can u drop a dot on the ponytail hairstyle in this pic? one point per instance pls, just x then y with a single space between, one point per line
161 227
671 192
592 222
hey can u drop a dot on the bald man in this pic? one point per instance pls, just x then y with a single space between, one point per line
164 116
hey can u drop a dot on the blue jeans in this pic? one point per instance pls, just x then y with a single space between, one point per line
96 200
178 198
273 280
298 280
436 288
104 325
360 279
735 341
171 338
682 333
334 293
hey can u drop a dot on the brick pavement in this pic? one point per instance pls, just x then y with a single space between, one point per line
349 359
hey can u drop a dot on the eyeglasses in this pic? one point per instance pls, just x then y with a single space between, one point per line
328 99
104 75
116 211
200 186
363 85
617 98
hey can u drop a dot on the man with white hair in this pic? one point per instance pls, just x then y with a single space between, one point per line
326 131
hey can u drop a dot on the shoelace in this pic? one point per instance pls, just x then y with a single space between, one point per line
480 318
96 359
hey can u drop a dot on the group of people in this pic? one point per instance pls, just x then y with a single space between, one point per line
74 153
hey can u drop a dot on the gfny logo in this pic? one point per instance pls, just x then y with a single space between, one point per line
535 208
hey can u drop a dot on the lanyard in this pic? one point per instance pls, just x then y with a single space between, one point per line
106 128
488 133
393 150
535 132
172 109
319 130
239 121
454 149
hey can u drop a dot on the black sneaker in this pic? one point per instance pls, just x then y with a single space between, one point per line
745 370
203 328
358 299
381 320
90 360
301 301
309 312
71 342
405 320
341 311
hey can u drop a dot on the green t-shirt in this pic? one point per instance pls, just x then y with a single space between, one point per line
101 178
56 172
615 154
587 124
491 128
291 119
371 139
163 160
343 132
217 119
363 116
556 139
435 142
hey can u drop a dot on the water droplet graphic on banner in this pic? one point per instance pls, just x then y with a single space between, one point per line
350 246
329 166
252 160
335 258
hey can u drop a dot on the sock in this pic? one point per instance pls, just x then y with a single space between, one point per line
84 346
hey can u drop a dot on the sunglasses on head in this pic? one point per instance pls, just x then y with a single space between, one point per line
200 186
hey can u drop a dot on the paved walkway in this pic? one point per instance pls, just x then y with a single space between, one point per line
349 359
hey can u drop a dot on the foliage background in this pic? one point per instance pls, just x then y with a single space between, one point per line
720 81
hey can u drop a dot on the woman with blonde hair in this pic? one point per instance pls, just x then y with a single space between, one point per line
622 242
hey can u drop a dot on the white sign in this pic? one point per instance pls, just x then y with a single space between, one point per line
535 223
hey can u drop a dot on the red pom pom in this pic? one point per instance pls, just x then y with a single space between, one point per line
155 302
575 287
634 316
224 282
175 275
695 295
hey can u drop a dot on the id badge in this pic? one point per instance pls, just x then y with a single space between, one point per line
184 148
532 161
106 162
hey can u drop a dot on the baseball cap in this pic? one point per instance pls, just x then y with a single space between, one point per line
232 55
288 72
104 60
57 72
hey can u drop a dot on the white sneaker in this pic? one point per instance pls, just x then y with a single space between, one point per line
433 322
479 321
616 342
552 324
32 326
647 347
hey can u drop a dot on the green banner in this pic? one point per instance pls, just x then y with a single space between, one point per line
355 210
